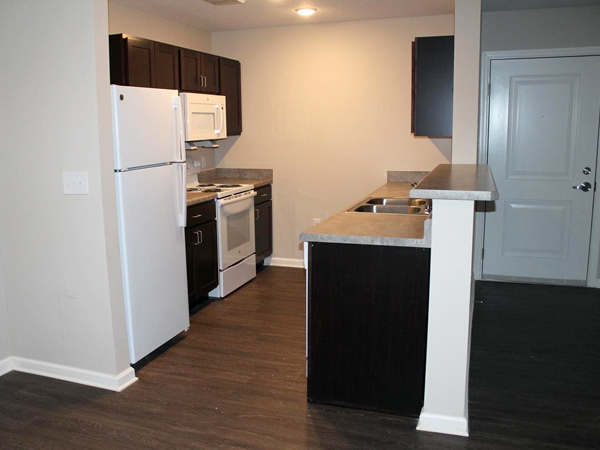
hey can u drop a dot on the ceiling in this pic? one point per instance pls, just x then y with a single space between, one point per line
274 13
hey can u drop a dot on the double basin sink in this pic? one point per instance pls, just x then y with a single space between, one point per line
383 205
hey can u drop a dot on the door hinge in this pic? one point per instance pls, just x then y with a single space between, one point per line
489 89
482 253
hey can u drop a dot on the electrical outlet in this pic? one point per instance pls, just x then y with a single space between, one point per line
75 183
316 221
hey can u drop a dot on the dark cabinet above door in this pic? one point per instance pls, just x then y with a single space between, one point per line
433 81
199 72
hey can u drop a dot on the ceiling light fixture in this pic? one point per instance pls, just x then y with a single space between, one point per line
306 11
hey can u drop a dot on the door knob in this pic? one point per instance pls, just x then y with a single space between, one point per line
586 170
583 187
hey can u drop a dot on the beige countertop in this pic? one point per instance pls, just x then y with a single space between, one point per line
397 230
458 182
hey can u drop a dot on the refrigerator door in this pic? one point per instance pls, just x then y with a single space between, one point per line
147 127
152 256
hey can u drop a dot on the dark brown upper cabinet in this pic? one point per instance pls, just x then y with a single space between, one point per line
144 63
231 88
199 72
167 66
433 80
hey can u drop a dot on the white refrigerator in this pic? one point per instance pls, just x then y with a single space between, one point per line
149 156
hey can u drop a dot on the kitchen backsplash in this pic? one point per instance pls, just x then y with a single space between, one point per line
200 160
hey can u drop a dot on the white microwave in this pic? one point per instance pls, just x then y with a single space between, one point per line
204 117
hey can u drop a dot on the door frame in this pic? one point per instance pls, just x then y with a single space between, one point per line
593 275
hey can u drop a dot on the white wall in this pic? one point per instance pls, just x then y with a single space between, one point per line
541 28
328 108
142 24
57 260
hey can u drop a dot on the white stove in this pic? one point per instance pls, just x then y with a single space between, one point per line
221 190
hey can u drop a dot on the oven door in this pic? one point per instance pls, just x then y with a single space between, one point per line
235 229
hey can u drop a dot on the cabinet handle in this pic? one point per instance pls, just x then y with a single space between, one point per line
256 214
264 195
205 81
197 216
198 237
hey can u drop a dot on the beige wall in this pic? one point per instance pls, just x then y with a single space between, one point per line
142 24
541 28
57 249
328 108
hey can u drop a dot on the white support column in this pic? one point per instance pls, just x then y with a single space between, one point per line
445 407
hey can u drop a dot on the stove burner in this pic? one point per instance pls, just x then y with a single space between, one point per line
212 190
194 189
229 185
205 184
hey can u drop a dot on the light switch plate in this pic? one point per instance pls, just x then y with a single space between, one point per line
75 183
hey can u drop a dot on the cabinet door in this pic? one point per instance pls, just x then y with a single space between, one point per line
263 229
433 78
190 65
166 66
367 324
205 257
190 239
231 88
210 72
140 62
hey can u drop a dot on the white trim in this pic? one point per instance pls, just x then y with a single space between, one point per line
286 262
75 375
6 366
437 423
482 154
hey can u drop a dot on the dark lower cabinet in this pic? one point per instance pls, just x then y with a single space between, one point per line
201 252
367 326
263 223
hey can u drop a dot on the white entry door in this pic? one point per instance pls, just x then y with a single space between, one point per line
543 141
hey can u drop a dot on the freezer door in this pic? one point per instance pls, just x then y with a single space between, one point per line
147 126
152 247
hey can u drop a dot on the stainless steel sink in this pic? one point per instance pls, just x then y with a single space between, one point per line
381 205
397 201
388 209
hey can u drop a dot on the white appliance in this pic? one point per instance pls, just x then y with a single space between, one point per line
204 117
150 181
235 234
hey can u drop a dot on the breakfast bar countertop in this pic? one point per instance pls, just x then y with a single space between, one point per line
399 230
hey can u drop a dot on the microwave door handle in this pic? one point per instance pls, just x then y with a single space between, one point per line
218 128
222 119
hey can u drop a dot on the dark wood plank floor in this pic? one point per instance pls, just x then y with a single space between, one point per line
236 381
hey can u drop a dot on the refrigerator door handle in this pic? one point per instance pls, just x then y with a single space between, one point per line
179 121
183 215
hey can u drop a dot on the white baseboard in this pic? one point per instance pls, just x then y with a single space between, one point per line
75 375
437 423
6 366
285 262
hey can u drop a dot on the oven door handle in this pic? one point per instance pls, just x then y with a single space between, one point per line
231 201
